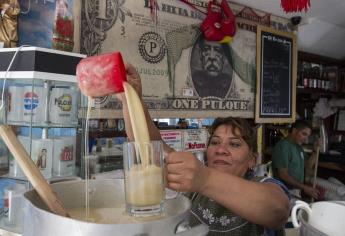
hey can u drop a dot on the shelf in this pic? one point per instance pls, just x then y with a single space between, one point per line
47 125
106 133
100 113
40 63
54 179
109 152
318 59
332 166
319 92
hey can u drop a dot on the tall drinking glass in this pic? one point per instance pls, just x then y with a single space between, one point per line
144 178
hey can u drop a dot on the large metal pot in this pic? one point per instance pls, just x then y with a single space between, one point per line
38 221
306 229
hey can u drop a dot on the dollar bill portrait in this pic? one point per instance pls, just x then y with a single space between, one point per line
212 74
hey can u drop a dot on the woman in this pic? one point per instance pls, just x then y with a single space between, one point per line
226 197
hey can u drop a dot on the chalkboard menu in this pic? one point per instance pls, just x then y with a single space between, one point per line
276 76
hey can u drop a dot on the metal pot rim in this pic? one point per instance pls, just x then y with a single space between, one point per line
182 199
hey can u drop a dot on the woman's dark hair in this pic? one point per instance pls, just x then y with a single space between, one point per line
247 133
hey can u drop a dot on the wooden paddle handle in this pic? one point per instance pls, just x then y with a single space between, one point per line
31 171
316 167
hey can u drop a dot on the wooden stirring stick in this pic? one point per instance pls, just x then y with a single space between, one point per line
315 170
31 171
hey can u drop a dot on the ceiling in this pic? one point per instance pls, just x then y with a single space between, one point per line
322 29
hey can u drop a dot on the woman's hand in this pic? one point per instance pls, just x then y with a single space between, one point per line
185 173
133 79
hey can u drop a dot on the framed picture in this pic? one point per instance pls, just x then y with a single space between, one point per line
276 55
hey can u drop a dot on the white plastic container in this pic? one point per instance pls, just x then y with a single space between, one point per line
15 104
63 106
42 155
34 100
15 169
64 156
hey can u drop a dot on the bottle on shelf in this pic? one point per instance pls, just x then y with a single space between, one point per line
274 137
323 81
327 82
314 77
300 75
318 78
310 78
305 79
182 123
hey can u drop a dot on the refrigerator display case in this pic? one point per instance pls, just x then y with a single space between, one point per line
39 101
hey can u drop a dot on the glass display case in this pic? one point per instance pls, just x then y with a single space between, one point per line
105 136
39 101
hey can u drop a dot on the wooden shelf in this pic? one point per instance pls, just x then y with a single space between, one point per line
332 166
317 59
106 133
101 113
319 92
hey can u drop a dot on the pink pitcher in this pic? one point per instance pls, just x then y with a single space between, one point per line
101 75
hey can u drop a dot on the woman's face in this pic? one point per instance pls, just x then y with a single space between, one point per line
228 152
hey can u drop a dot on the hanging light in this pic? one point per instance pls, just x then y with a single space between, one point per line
295 5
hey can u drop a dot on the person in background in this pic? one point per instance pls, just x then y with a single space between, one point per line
289 160
9 11
224 194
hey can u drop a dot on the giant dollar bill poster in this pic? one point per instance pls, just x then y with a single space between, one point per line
182 74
